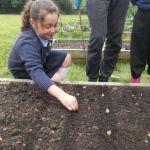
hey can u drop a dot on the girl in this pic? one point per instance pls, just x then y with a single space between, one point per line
31 56
140 40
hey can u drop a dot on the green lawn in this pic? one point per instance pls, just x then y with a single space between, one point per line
121 73
71 18
9 30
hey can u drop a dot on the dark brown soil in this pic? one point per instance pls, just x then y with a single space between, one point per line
77 44
109 118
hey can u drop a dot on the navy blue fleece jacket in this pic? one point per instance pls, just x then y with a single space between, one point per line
27 58
142 4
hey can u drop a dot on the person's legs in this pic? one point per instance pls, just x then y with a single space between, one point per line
57 65
115 25
148 49
148 60
63 70
139 44
97 11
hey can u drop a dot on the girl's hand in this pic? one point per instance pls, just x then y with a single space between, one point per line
69 101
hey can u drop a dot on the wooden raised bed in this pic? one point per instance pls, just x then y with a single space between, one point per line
74 47
110 117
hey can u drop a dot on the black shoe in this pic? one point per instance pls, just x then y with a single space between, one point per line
103 79
92 80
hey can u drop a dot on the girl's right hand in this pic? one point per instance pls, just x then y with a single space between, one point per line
69 101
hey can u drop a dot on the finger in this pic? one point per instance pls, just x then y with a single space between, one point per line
75 107
69 108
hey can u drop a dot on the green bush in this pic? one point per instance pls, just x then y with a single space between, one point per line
76 35
65 6
11 6
130 15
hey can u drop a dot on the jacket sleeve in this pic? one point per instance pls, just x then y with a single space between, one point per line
30 54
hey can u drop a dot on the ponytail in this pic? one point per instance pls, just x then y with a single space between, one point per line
25 16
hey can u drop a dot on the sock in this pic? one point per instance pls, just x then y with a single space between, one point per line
63 71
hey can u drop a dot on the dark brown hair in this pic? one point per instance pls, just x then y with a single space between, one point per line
36 10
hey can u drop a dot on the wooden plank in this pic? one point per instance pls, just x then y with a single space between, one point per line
80 54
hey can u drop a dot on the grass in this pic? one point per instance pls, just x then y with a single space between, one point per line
120 74
9 30
71 18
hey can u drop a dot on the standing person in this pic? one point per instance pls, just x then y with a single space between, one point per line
107 18
31 56
140 40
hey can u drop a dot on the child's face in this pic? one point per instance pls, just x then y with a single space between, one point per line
48 27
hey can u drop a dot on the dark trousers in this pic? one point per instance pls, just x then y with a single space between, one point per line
140 43
106 18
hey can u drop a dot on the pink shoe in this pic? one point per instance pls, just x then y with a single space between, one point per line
136 80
